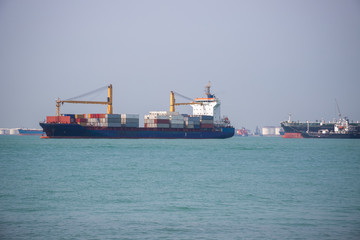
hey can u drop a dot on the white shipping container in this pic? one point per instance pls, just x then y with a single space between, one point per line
158 113
163 113
94 120
130 116
156 117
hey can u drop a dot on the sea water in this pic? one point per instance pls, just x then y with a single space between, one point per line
238 188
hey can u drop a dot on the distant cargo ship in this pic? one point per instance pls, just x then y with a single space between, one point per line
205 122
340 129
28 131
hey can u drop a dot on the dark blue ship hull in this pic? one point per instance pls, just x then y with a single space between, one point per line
57 130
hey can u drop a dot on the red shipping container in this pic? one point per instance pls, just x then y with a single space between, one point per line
52 119
162 121
81 120
58 119
65 119
207 126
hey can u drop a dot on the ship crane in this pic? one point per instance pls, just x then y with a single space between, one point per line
173 104
108 102
338 109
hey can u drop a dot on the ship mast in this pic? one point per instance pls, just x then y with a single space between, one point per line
339 113
207 91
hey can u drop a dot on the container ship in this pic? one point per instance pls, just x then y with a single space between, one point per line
340 129
204 123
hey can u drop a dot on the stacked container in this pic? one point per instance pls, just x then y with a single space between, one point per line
176 121
163 119
206 121
104 120
192 122
112 120
130 120
81 121
94 122
58 119
72 117
95 115
97 120
156 121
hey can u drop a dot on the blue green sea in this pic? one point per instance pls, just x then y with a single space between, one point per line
237 188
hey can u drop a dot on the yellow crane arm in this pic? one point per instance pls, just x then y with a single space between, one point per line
83 102
173 104
109 102
192 103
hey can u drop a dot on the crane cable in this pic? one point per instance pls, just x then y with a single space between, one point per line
87 94
184 96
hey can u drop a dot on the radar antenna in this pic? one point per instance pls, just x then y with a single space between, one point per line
207 91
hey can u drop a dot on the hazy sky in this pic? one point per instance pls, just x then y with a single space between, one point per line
264 58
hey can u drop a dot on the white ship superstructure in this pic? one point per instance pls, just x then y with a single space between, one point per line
209 106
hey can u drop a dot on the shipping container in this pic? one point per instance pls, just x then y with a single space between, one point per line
130 115
176 117
207 121
80 116
129 120
160 125
58 119
207 126
113 116
177 125
163 113
81 120
135 125
162 121
109 124
205 117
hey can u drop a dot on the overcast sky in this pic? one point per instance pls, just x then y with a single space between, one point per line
263 58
